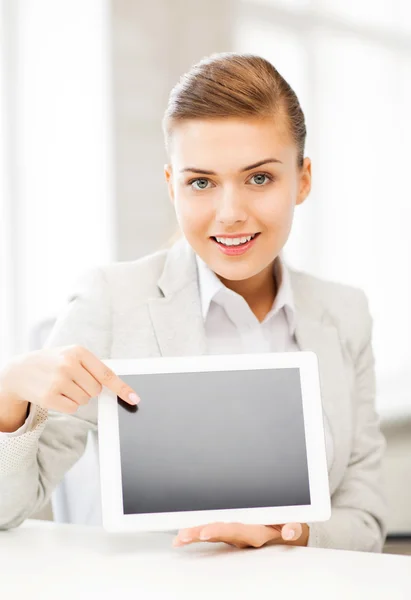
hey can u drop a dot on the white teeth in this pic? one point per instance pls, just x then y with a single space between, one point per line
234 241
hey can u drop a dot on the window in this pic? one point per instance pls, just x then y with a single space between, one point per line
57 206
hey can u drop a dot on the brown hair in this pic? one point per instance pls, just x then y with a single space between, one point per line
234 85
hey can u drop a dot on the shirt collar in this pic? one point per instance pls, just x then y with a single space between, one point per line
210 285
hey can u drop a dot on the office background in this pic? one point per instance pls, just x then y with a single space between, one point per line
84 84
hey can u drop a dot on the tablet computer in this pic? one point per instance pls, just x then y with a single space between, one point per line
233 438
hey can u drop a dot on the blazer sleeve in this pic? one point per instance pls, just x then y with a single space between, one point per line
358 505
33 463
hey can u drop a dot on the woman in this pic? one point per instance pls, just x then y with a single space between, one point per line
235 136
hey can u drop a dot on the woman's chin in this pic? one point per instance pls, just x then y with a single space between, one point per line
233 272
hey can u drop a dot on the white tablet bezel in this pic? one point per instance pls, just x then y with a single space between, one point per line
109 444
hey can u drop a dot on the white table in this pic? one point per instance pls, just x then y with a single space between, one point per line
42 560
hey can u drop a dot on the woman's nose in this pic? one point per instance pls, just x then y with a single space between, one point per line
230 208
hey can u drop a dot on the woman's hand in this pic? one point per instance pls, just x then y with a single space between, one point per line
245 536
61 379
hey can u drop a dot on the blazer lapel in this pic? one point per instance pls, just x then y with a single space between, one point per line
176 317
316 332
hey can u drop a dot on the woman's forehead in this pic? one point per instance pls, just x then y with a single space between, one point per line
210 143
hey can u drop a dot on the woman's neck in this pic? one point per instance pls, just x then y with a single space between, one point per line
259 291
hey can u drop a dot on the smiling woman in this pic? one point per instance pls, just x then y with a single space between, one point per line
235 136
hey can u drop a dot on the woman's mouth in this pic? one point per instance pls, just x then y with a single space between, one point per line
235 246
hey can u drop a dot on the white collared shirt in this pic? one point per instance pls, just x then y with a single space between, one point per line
231 327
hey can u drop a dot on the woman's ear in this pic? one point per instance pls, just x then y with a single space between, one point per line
305 181
169 179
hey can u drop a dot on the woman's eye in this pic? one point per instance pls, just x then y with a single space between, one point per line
199 184
261 179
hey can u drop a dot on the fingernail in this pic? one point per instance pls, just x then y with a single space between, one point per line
290 534
186 539
134 398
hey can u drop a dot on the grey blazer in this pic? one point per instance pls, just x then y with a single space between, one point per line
151 307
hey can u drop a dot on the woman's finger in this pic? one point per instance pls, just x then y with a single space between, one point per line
241 535
106 376
291 532
64 405
75 393
187 536
236 534
86 381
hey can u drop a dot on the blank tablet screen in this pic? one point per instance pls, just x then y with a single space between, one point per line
214 440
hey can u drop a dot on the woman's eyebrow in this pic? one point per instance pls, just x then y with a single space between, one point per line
261 162
253 166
